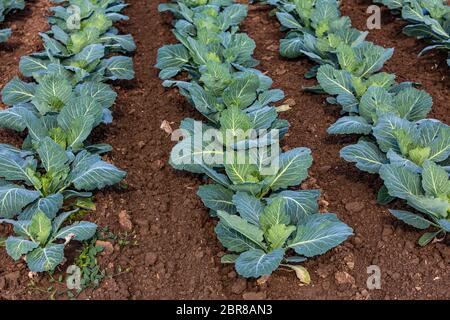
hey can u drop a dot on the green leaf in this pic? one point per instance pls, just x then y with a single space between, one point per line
14 198
241 92
16 247
375 102
119 68
171 56
334 81
79 108
45 259
389 132
229 258
40 227
79 131
249 207
12 118
366 155
49 205
426 238
81 230
278 234
29 65
288 21
413 104
440 147
274 214
17 91
36 128
101 92
253 233
256 263
233 15
217 197
412 219
90 53
53 156
299 204
401 182
318 234
14 167
234 123
383 196
89 172
435 180
291 47
52 93
234 240
293 169
350 125
435 207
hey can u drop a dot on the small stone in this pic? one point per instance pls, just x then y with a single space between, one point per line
263 280
415 260
357 240
324 169
150 259
232 274
354 206
396 276
409 245
13 277
343 277
141 144
239 286
158 165
254 296
165 125
387 232
349 261
125 220
107 247
2 283
291 102
142 223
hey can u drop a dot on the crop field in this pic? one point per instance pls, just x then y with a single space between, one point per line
224 149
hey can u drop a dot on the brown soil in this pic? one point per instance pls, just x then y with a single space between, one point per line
173 251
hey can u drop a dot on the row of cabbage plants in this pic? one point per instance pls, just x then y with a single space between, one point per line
408 151
6 6
263 222
50 177
427 19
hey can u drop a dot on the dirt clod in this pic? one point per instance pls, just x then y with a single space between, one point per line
125 220
239 286
343 277
150 259
107 247
254 296
354 207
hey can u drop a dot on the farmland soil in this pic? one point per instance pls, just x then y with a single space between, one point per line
169 250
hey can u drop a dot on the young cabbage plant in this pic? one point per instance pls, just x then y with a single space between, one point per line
55 174
403 147
6 6
208 38
428 193
83 49
41 239
429 20
56 167
270 238
401 142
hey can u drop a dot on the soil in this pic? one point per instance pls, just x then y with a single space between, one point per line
171 250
